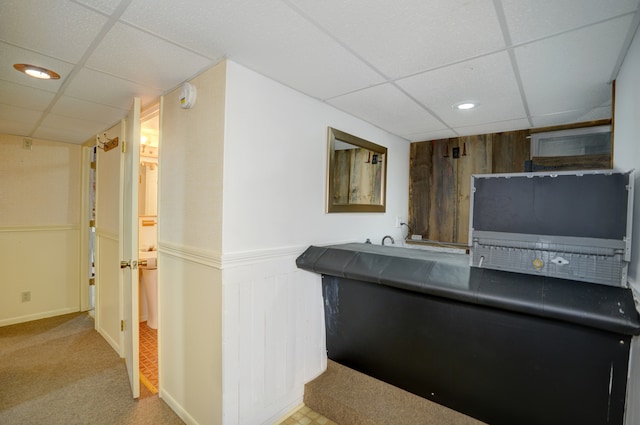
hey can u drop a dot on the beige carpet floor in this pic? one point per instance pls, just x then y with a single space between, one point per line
349 397
61 371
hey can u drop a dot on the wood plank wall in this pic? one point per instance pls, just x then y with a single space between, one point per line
439 186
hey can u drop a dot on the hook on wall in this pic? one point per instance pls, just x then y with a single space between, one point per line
106 144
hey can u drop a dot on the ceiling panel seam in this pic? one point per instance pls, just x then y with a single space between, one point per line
113 18
334 38
627 43
502 19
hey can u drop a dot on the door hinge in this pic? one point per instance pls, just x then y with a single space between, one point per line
93 165
122 326
124 147
92 281
92 223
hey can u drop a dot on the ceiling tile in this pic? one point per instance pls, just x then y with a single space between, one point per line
199 25
581 115
493 127
60 29
10 55
91 85
24 96
104 6
68 129
64 134
601 113
61 122
14 127
532 19
146 59
430 135
266 36
81 109
392 63
389 108
21 115
488 80
404 37
580 77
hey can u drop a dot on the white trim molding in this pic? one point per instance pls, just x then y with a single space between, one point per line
45 228
194 255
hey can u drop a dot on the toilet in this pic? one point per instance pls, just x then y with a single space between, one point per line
149 277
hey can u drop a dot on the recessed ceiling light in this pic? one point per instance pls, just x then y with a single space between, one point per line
36 71
466 105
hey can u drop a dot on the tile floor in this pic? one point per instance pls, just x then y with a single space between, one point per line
306 416
149 357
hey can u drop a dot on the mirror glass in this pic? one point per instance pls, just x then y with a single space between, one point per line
148 172
357 174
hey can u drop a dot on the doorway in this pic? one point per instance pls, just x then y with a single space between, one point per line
148 246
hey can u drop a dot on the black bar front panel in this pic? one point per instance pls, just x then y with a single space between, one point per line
501 367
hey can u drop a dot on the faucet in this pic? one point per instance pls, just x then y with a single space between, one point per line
392 241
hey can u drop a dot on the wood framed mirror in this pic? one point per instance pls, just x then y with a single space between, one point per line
356 175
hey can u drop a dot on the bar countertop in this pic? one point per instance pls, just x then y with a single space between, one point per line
450 276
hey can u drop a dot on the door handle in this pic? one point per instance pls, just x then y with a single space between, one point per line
133 265
142 263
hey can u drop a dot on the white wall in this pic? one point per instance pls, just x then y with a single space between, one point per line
627 156
39 229
275 164
241 195
626 153
189 246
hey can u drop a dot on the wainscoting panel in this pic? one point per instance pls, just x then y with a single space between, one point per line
108 289
273 335
41 263
190 333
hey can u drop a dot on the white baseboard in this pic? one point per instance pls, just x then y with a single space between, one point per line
177 408
37 316
114 344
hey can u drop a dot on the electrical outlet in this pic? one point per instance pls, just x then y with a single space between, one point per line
399 221
26 296
27 144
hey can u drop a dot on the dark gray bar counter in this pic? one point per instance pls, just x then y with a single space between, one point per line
505 348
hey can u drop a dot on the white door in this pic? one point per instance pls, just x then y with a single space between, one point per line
129 238
108 242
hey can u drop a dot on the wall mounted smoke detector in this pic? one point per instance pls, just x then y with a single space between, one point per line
187 96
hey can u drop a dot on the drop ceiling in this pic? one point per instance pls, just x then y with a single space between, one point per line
399 65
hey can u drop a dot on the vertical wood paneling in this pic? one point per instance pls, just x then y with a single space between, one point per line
420 187
278 334
477 160
510 150
341 177
442 197
439 192
356 179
